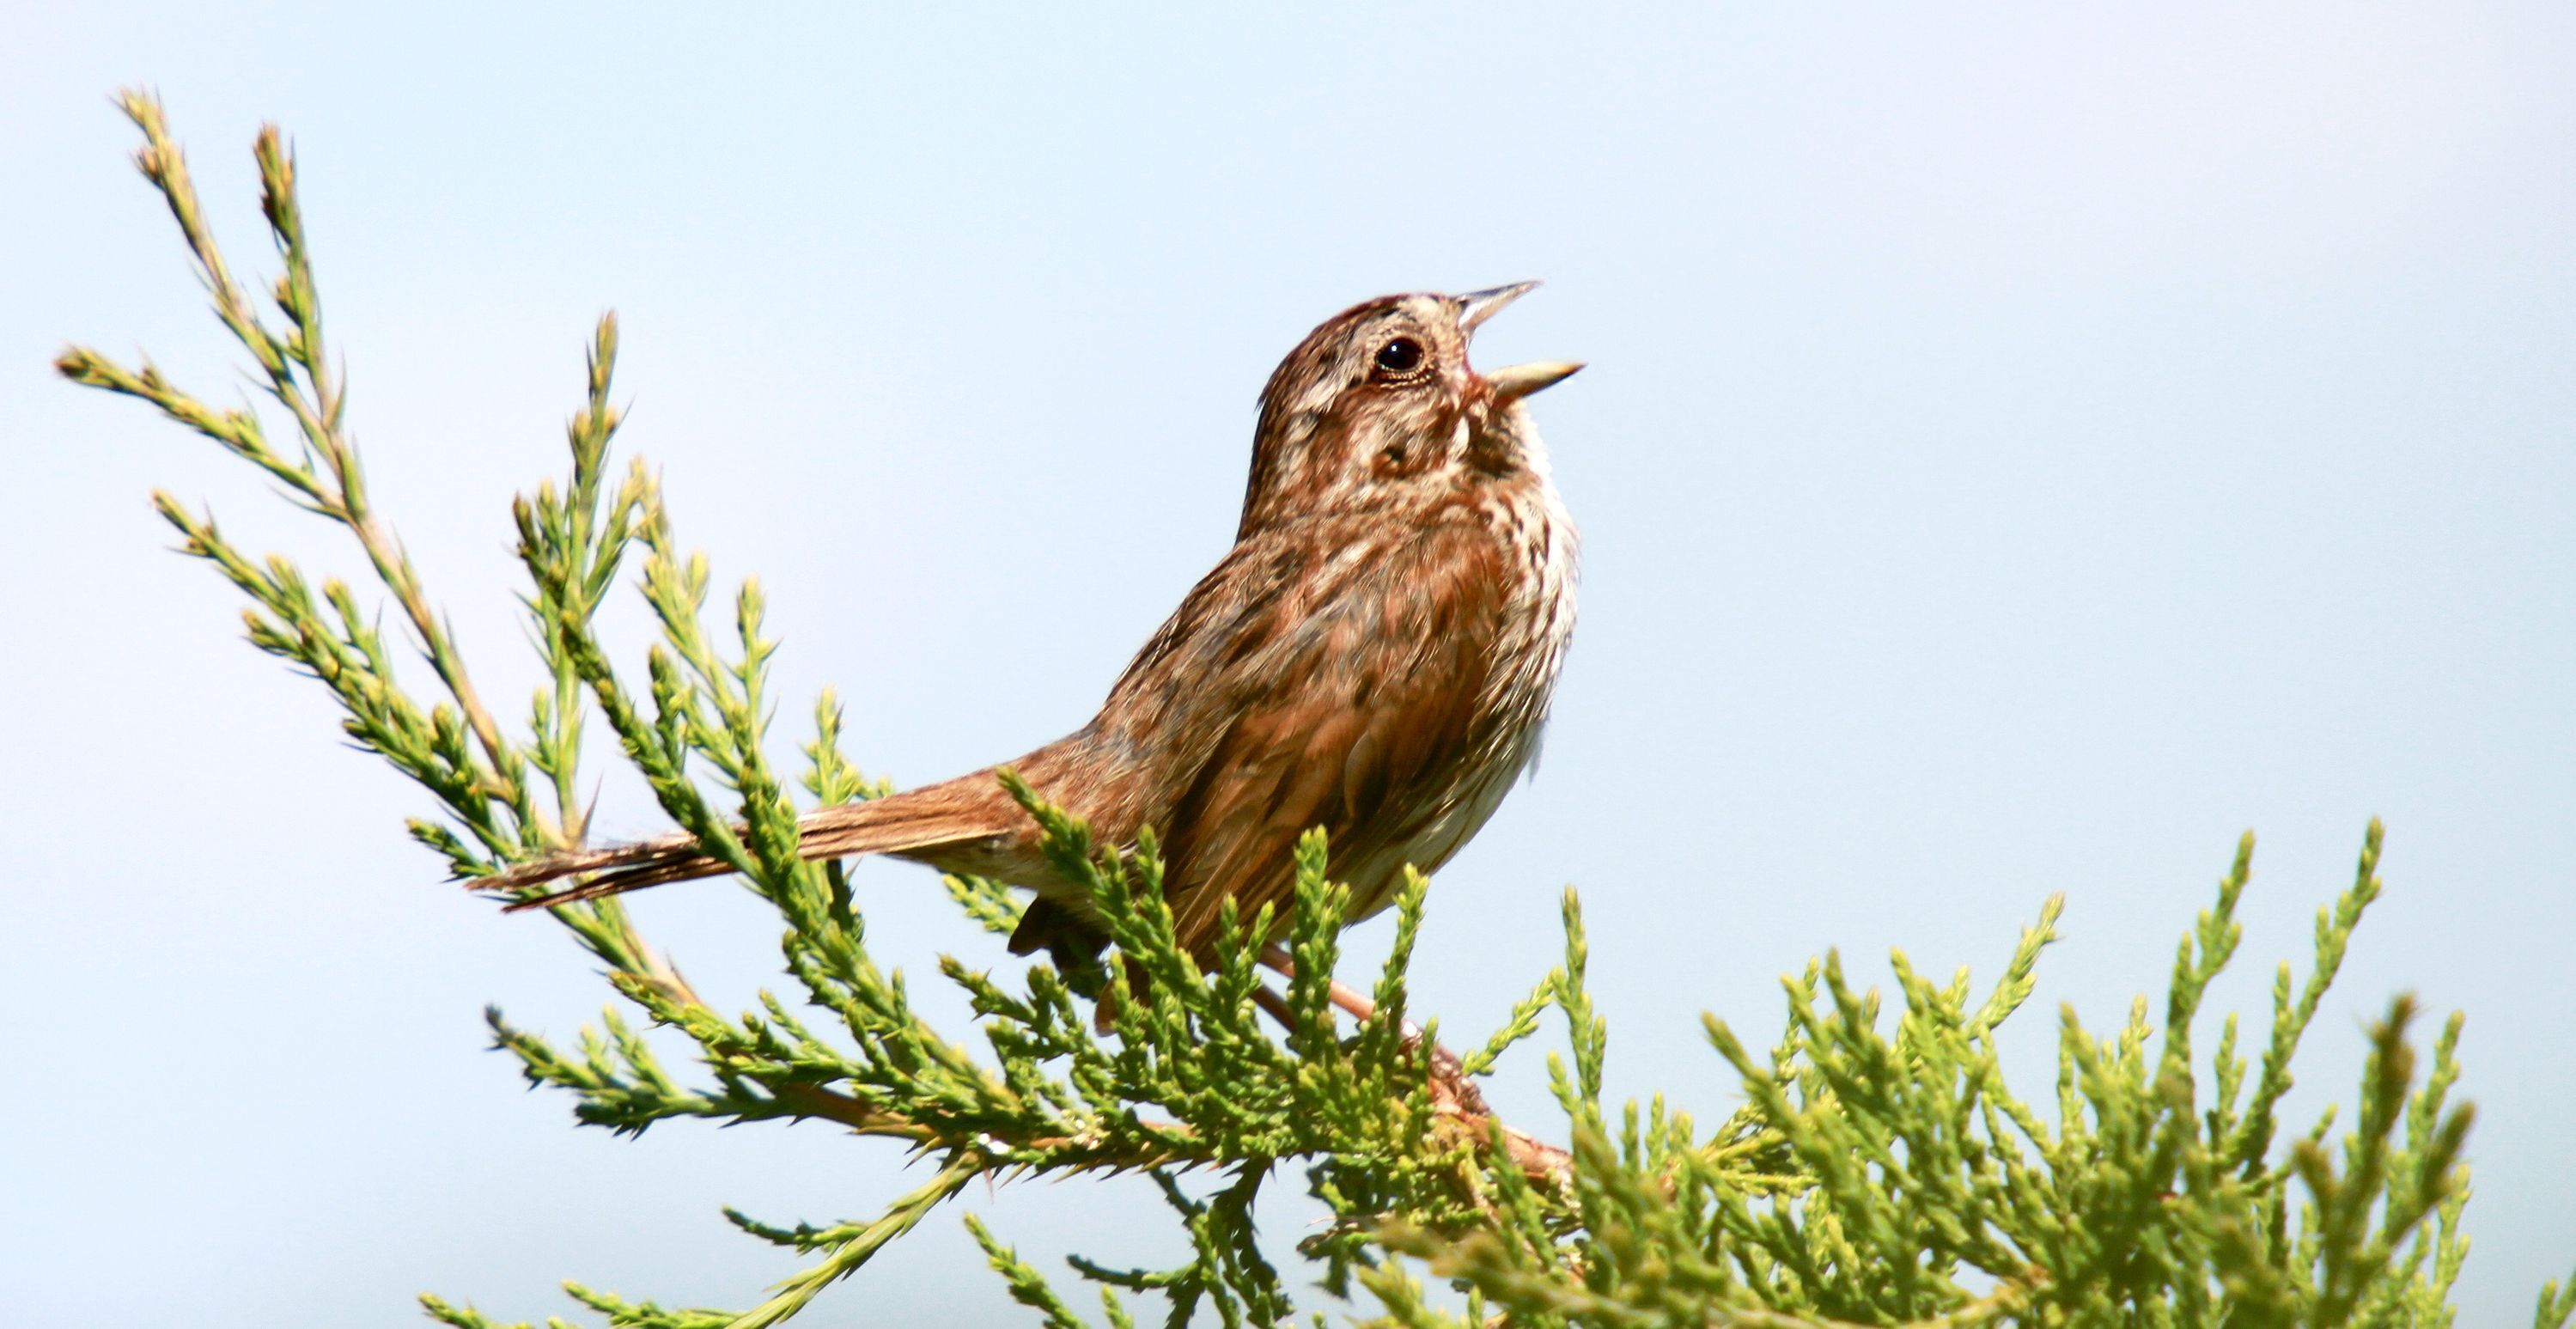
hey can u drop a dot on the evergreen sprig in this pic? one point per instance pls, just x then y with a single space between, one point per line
1880 1171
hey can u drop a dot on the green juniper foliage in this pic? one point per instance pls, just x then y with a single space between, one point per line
1880 1172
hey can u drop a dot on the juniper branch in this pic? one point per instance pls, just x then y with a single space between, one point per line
1879 1171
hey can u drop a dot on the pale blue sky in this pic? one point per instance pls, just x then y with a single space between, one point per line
2024 446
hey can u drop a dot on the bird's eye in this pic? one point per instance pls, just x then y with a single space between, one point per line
1399 357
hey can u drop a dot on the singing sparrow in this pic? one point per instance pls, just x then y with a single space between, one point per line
1375 656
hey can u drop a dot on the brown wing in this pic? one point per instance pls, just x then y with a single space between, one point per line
1349 696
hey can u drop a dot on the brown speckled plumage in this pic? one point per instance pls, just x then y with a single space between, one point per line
1374 656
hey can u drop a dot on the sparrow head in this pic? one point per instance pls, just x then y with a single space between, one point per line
1379 407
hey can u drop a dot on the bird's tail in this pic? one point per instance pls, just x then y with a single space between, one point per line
971 808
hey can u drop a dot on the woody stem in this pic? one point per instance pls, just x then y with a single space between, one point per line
1357 1006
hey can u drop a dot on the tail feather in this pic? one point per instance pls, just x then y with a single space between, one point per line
970 809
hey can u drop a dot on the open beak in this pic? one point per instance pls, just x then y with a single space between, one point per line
1519 381
1476 306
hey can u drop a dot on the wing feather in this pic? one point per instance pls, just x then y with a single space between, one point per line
1358 718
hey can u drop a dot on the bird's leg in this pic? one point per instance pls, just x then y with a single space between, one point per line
1359 1007
1452 1093
1105 1013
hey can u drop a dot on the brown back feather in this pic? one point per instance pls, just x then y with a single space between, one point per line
1353 722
